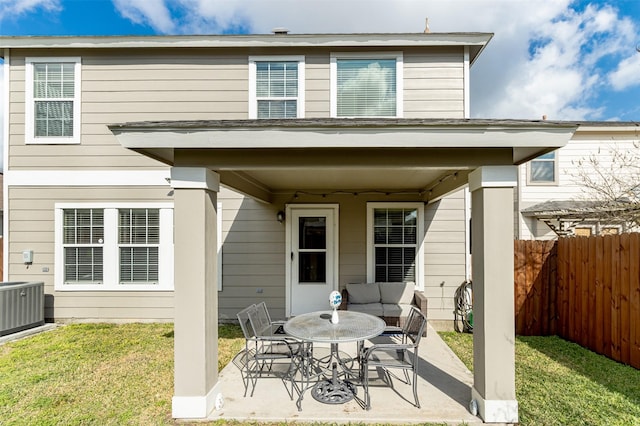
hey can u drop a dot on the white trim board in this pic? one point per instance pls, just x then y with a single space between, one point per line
87 178
494 410
197 407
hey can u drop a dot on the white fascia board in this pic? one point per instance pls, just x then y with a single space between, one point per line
346 138
241 41
633 128
86 178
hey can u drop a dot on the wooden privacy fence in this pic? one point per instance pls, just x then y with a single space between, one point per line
583 289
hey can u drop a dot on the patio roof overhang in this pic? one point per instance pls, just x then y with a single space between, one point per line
262 158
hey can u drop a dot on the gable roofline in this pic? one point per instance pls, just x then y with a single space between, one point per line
476 41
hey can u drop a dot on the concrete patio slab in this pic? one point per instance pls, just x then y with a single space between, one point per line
28 332
444 389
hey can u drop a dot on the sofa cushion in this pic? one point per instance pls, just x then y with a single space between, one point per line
396 293
396 310
363 293
374 309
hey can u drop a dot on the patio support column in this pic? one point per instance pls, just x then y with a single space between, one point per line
197 390
493 306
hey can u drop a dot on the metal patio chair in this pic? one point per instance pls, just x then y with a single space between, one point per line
401 355
266 355
269 327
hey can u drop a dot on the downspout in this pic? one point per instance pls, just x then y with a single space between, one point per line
467 95
467 193
467 234
5 164
518 215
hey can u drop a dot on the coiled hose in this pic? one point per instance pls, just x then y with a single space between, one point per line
463 313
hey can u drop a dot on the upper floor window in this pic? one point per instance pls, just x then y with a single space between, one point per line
544 169
52 100
109 247
366 85
276 87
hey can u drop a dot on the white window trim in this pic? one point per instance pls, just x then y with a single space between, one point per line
110 252
420 236
591 228
556 168
253 101
30 137
398 56
602 228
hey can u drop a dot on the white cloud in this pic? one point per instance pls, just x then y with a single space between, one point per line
154 13
10 8
627 74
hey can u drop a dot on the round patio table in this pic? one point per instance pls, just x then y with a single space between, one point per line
317 327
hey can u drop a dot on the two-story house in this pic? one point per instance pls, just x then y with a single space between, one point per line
181 178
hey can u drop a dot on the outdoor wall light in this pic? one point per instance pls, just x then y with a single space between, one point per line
280 216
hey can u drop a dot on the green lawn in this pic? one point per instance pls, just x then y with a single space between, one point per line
561 383
107 374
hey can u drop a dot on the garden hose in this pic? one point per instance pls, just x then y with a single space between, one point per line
463 313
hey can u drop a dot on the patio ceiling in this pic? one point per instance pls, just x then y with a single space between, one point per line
262 158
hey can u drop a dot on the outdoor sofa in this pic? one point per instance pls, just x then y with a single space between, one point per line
390 301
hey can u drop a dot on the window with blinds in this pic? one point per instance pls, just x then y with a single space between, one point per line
277 89
126 247
366 87
395 244
139 241
52 95
83 238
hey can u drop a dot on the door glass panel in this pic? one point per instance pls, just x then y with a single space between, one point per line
313 233
312 267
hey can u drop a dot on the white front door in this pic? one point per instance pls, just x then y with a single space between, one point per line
312 245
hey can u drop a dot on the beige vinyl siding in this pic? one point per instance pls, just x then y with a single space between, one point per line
253 256
317 86
445 252
32 227
434 83
119 87
353 240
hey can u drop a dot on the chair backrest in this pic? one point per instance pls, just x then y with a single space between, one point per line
260 321
245 322
414 325
262 310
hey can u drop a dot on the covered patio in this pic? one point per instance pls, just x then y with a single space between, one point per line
424 159
444 386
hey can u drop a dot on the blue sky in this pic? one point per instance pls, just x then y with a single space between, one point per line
568 60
